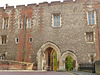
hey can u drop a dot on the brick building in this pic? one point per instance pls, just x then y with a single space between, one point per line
33 33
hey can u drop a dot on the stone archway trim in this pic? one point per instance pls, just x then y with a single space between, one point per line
41 51
68 53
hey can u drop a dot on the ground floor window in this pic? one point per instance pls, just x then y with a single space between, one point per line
3 39
89 36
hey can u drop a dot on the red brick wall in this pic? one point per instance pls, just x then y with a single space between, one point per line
28 45
97 6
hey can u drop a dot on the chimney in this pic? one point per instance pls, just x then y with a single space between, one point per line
7 5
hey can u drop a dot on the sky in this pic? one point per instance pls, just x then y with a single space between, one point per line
23 2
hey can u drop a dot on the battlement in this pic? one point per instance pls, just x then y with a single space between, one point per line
43 4
31 5
20 6
10 7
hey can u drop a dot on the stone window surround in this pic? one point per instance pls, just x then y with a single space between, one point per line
3 23
1 39
27 23
53 19
94 12
30 38
16 40
19 23
93 38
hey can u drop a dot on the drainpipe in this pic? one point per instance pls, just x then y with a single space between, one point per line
98 29
24 37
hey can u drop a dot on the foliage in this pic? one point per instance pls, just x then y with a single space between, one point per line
55 61
69 63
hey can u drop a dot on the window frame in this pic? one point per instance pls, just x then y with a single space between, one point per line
16 40
88 35
30 38
20 21
1 42
53 19
7 20
91 18
28 23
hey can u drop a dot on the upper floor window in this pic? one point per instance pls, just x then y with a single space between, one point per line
28 23
16 40
91 18
3 39
5 23
89 37
30 40
56 20
20 23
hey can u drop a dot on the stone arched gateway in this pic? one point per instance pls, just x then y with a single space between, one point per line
41 55
69 53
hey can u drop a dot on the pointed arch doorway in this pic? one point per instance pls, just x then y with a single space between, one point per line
69 60
48 57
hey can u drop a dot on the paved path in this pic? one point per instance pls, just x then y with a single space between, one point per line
84 73
33 73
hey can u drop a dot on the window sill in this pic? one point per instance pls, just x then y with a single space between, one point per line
6 29
28 28
16 43
56 26
91 42
20 28
3 44
91 24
